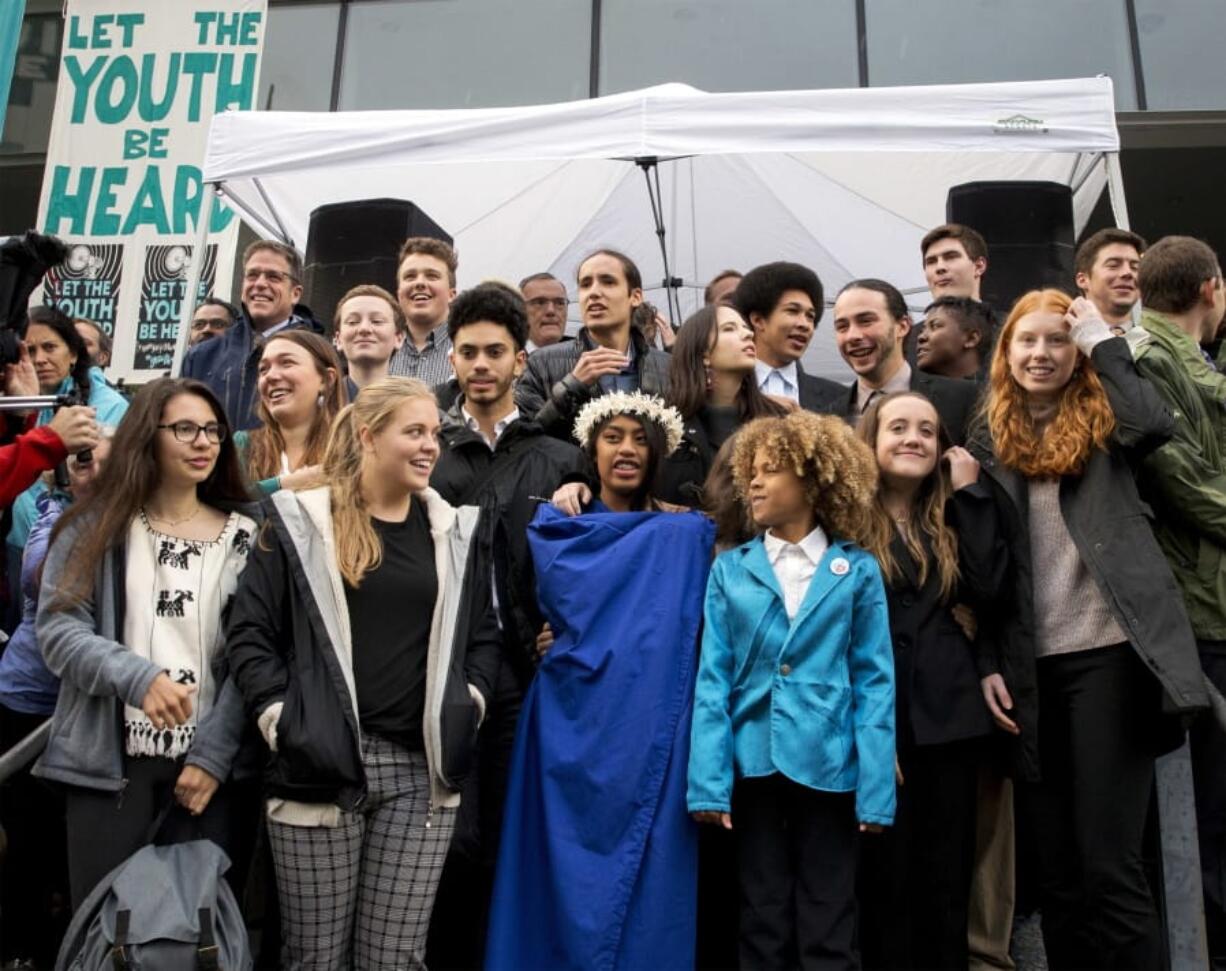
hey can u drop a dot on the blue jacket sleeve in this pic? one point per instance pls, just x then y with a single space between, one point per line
871 666
711 751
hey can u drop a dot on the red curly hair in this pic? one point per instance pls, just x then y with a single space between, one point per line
1083 419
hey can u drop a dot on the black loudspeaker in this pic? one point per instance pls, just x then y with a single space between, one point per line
1029 230
350 243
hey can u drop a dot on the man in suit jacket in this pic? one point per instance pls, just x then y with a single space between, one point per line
871 324
782 303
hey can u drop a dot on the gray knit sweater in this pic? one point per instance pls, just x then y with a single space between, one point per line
1069 610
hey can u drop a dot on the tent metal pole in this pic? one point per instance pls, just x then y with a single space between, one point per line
1094 160
285 238
651 168
1115 190
194 271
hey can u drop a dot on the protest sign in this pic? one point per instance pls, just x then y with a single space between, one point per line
139 83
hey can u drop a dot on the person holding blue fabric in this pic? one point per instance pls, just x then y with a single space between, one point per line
793 734
61 361
300 393
597 865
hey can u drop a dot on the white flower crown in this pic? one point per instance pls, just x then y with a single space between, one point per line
630 403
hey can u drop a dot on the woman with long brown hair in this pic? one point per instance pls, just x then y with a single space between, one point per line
134 587
1094 653
713 386
301 390
932 528
363 639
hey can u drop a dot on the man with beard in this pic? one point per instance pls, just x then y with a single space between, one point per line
783 303
1106 265
870 325
608 354
493 458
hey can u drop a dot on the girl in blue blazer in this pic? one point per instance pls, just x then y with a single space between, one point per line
793 733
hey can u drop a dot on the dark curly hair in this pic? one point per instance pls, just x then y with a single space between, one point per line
494 303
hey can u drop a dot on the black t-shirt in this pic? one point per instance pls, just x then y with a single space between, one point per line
389 615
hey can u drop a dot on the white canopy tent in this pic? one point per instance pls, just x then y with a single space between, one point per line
845 181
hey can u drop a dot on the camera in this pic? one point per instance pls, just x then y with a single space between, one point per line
24 260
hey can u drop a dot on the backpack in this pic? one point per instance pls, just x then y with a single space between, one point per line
165 908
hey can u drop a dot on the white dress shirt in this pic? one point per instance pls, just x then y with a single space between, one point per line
782 382
794 565
500 426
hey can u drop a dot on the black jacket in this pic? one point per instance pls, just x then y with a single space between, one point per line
525 466
955 401
548 394
935 671
820 395
1110 526
230 362
289 643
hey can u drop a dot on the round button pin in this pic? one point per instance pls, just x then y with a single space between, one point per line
839 566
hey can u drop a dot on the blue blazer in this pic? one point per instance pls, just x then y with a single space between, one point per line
812 699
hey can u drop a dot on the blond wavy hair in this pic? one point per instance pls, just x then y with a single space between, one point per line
358 549
927 509
1083 420
837 470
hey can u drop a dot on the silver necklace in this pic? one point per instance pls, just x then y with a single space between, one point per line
172 522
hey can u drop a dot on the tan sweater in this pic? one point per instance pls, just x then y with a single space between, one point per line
1070 613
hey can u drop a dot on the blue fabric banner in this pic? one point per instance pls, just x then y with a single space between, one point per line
597 867
11 12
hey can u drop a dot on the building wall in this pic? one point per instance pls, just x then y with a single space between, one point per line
1165 57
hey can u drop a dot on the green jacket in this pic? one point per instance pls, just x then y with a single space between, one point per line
1185 479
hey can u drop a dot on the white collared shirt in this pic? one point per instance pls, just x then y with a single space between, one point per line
500 426
794 565
782 382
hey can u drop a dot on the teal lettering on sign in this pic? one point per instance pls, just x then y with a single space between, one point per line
95 191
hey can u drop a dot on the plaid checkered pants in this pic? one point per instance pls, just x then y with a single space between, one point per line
359 895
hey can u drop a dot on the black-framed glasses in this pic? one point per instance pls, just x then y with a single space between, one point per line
188 431
272 276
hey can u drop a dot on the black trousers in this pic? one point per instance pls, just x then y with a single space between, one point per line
459 921
1097 739
105 828
796 854
1208 744
915 878
34 908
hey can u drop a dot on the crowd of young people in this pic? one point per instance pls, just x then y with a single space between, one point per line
489 641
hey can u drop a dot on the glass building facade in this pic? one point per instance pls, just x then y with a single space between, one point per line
1165 57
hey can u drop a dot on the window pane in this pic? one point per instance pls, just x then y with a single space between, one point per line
27 125
950 41
465 53
1182 48
299 51
728 45
20 186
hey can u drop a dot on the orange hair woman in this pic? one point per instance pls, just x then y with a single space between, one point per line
1093 651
